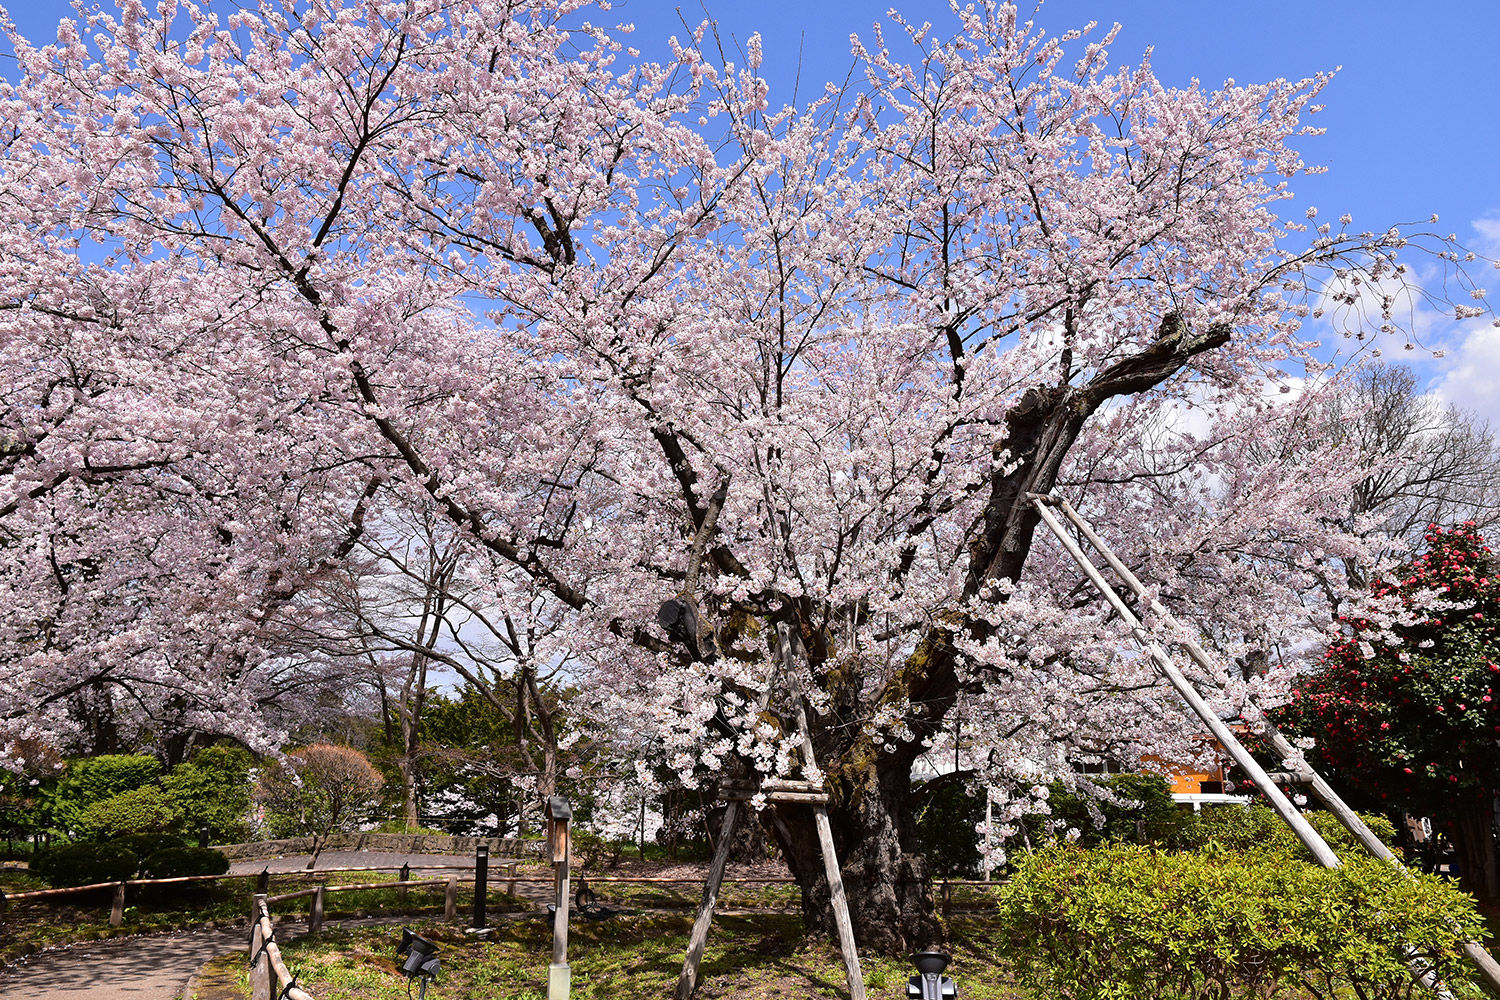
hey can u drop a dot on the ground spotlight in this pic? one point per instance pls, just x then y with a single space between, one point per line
421 958
930 983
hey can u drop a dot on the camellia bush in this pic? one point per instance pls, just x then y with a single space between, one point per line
1124 922
1405 705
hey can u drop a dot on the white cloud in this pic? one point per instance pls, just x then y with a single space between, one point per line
1489 236
1470 376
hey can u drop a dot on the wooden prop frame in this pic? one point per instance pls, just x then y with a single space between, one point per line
1299 772
811 793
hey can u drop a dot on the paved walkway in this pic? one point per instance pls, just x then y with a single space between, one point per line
357 859
149 967
155 967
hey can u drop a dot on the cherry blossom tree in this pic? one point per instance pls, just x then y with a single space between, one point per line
793 367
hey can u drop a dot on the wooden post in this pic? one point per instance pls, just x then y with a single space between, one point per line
510 886
117 909
405 876
450 899
947 899
315 915
559 976
688 980
836 897
260 962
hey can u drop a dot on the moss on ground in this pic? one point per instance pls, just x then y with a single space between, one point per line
754 958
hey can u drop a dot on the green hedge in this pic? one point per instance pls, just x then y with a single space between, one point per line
84 864
176 861
1133 923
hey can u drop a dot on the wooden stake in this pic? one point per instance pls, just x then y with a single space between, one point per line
315 913
688 981
836 897
117 909
450 899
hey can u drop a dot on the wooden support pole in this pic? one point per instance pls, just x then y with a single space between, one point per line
260 962
403 878
836 897
1289 813
117 907
688 981
510 885
315 913
450 899
1476 953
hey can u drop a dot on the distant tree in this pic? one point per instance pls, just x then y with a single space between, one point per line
318 790
1430 463
1405 705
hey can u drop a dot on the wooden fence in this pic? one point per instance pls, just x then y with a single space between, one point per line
268 969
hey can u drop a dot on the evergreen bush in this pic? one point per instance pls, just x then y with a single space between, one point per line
1131 923
84 863
143 845
174 862
140 810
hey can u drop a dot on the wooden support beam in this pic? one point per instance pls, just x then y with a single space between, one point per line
117 908
1420 972
687 982
315 912
839 902
745 795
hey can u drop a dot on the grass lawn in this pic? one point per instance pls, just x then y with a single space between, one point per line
757 958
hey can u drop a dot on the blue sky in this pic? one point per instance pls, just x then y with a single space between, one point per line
1413 118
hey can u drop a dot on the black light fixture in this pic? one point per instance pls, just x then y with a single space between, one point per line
421 958
930 983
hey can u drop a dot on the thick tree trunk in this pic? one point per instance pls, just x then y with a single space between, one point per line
886 878
1473 834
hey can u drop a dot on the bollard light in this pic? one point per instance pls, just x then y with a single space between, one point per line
421 958
929 983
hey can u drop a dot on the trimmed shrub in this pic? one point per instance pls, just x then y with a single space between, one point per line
141 810
143 845
88 780
212 788
1257 828
177 861
1131 923
84 863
